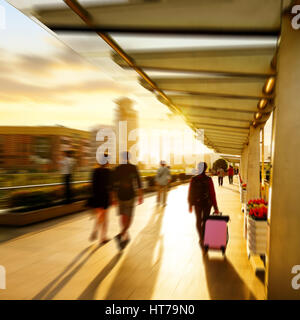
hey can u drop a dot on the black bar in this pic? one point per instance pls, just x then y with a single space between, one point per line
166 31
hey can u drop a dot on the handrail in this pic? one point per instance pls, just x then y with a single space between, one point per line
41 185
45 185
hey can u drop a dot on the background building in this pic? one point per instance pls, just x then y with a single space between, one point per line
125 112
41 148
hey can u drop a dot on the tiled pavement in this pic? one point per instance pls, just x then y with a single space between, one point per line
55 260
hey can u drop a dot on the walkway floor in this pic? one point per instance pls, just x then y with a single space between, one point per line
163 260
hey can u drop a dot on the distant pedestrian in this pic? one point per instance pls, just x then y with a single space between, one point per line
202 197
162 178
220 173
126 177
101 199
230 174
67 170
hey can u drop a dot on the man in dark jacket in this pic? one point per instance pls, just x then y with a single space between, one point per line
202 197
126 177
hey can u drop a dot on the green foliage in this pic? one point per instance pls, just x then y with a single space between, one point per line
33 198
81 191
36 197
220 163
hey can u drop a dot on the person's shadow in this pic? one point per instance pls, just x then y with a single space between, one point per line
62 277
138 272
89 292
223 282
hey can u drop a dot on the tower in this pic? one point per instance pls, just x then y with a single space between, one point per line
126 120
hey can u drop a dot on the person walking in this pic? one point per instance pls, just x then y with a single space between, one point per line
101 199
126 176
67 169
230 174
220 174
202 197
162 178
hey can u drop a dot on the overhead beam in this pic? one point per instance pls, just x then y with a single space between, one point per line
228 140
140 30
219 95
219 134
211 132
220 122
241 60
226 144
218 118
233 143
228 151
214 109
227 147
245 87
176 69
233 157
215 113
215 102
223 128
221 131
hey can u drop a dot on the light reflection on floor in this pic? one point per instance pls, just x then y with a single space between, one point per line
163 260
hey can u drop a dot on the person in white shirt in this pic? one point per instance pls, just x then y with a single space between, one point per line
67 168
163 178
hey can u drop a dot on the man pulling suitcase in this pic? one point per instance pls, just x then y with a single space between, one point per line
202 197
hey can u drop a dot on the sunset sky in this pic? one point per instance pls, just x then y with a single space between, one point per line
43 82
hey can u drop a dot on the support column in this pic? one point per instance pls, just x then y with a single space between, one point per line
244 164
253 168
284 208
241 164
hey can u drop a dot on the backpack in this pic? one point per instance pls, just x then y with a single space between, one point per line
201 189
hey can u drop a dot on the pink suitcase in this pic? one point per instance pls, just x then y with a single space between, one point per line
216 233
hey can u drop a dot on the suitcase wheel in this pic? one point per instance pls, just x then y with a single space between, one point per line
223 249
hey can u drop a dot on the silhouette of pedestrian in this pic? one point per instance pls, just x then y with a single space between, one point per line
101 198
126 176
220 174
67 169
202 197
162 178
230 175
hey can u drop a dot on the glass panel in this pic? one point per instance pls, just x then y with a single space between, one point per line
158 42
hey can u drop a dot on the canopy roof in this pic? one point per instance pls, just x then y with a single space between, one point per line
223 87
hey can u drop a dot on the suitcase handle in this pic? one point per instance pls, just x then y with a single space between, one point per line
217 214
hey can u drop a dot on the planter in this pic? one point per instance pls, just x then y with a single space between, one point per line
26 218
257 236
